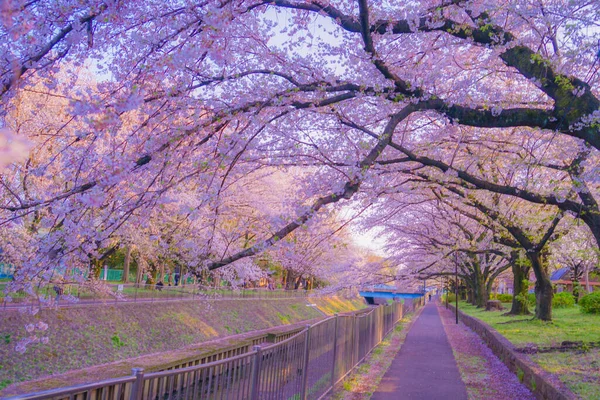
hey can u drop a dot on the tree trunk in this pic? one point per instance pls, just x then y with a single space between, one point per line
160 274
587 279
139 273
592 219
95 269
284 276
471 296
126 263
576 289
290 281
203 278
481 294
543 287
520 288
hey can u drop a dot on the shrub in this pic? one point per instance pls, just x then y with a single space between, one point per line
451 298
505 298
590 303
531 299
563 300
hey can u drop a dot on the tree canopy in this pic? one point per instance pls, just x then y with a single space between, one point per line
434 113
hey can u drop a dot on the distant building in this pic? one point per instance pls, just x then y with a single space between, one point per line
562 278
503 284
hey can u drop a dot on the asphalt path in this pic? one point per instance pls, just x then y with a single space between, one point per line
424 368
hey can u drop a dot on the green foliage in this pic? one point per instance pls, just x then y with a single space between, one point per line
486 27
563 300
116 341
7 339
563 82
590 303
525 298
364 368
451 298
284 318
505 298
584 348
531 299
538 59
4 383
520 374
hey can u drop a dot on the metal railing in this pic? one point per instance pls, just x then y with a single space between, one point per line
305 366
77 294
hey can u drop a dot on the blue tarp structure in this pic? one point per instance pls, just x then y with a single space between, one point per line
6 271
384 293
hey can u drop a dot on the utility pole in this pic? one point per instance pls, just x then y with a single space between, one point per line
456 282
447 287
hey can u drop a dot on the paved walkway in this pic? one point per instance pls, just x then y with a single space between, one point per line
424 368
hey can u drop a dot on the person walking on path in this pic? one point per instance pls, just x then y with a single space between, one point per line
424 368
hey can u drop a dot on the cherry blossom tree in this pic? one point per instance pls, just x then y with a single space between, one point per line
197 95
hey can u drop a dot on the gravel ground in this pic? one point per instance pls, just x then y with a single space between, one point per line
486 377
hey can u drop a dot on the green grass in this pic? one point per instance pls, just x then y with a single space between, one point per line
568 324
578 371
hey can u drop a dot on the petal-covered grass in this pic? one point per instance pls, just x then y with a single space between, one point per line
579 369
484 375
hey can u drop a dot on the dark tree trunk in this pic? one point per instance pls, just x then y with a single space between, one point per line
203 277
591 217
481 294
470 288
126 264
520 288
471 295
95 269
291 280
543 287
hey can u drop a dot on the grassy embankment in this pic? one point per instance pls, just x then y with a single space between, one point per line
579 370
86 336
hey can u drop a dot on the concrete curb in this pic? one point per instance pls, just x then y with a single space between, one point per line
544 385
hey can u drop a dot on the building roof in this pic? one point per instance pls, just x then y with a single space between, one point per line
562 273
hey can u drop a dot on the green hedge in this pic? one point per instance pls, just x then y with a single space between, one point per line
505 298
451 298
563 300
590 303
